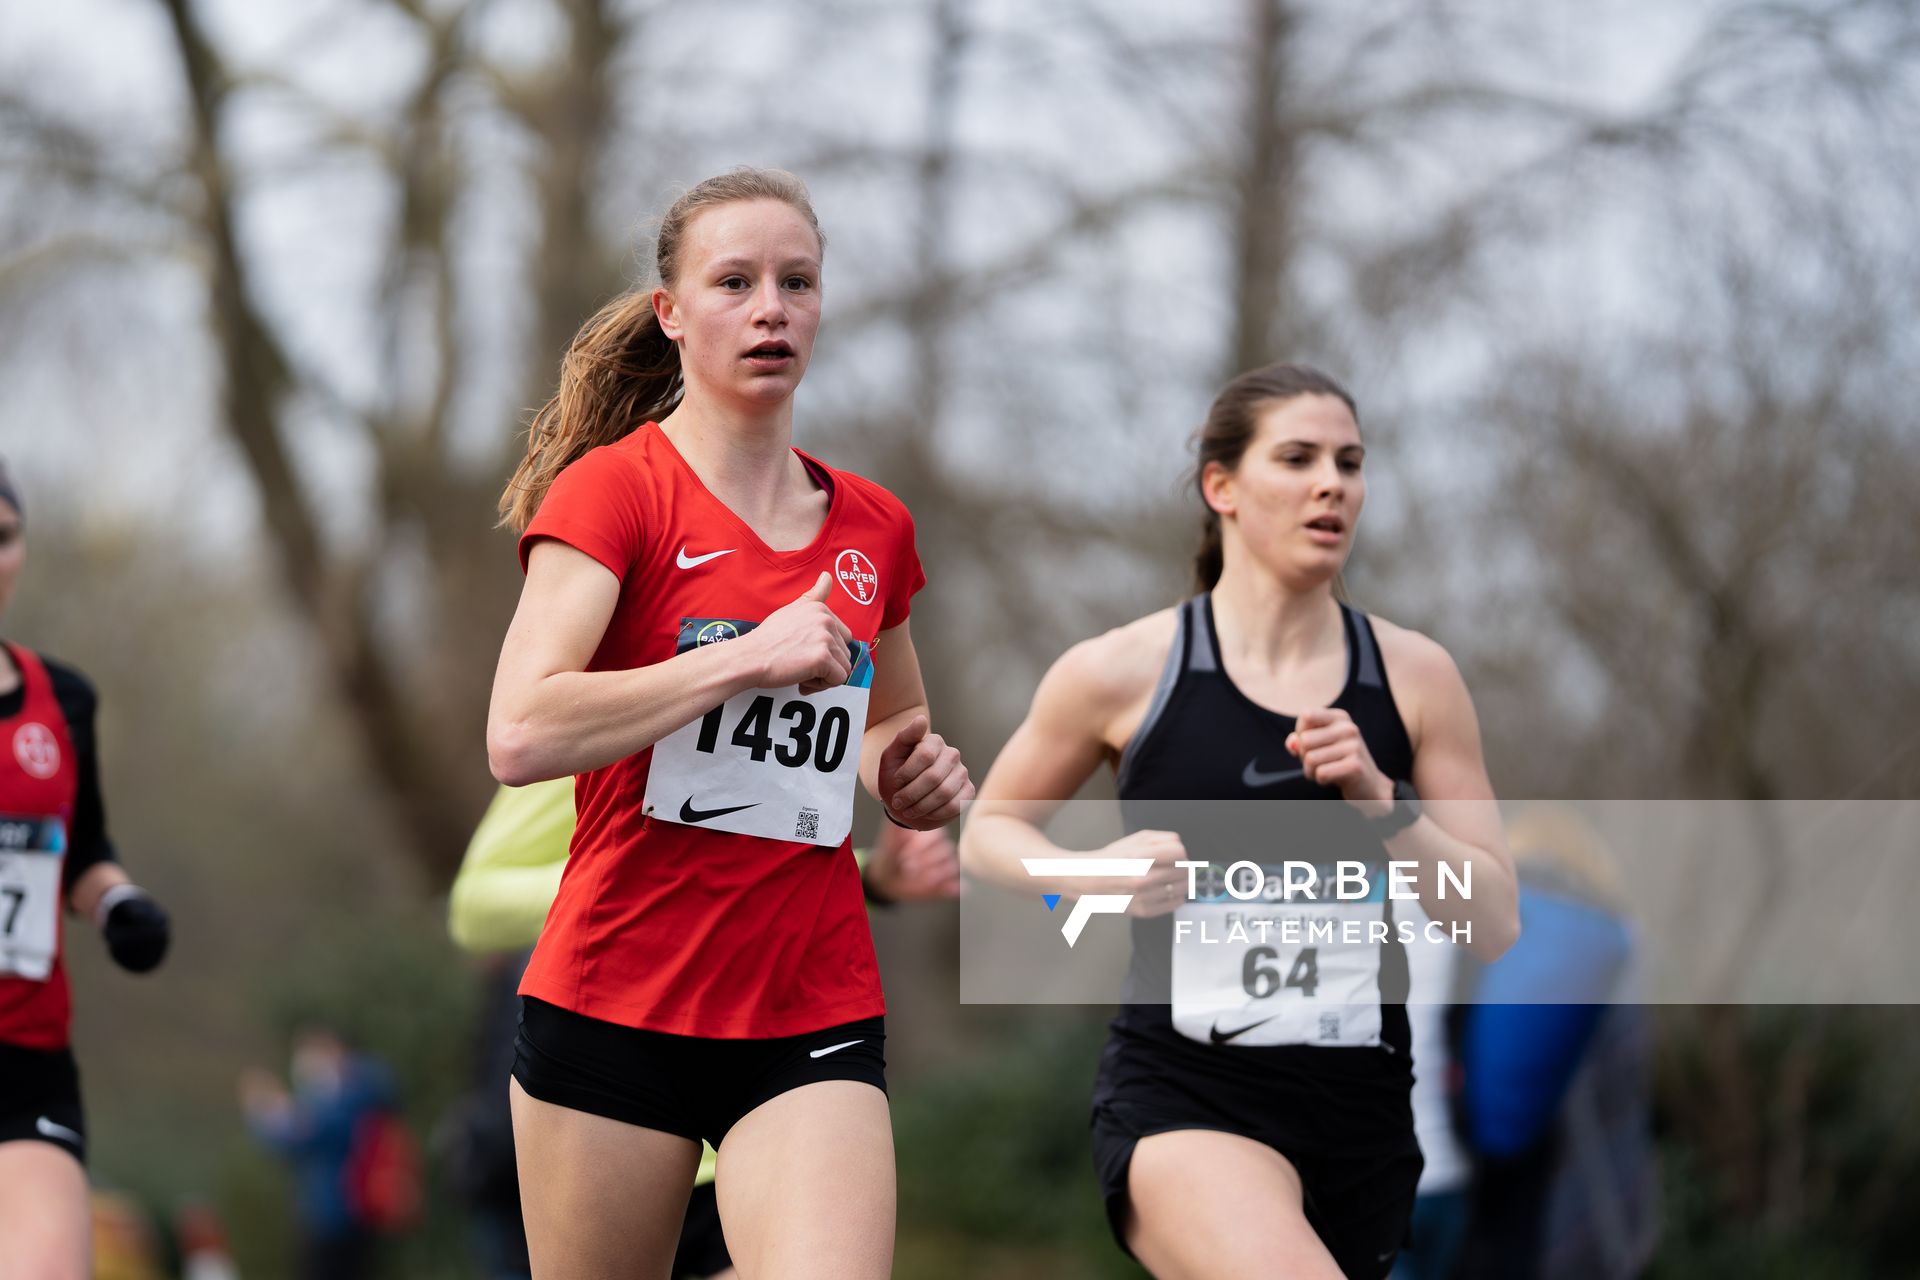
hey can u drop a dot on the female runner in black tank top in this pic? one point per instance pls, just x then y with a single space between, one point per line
1235 1134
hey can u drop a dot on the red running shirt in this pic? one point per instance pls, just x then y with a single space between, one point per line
39 779
670 927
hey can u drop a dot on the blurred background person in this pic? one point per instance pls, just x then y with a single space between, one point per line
329 1128
55 857
1556 1067
499 900
1443 1198
125 1245
202 1241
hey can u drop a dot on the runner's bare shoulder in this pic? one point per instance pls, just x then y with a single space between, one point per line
1424 678
1103 685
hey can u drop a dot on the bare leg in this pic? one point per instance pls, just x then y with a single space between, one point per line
1216 1206
806 1185
603 1200
46 1219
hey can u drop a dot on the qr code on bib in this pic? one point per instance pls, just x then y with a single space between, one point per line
1329 1026
808 827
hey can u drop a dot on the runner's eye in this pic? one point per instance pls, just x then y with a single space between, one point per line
734 284
799 284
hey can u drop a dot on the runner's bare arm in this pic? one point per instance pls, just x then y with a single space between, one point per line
92 885
1462 824
1083 713
914 773
550 716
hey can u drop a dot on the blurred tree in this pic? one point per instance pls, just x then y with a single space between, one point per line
414 691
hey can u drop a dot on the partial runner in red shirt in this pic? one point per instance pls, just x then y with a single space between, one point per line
54 855
713 638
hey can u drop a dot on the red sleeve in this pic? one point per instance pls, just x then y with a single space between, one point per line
597 505
907 577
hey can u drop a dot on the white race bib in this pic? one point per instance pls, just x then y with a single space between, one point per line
766 762
1279 968
31 853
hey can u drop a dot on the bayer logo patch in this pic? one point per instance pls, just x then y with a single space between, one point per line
37 750
716 631
856 573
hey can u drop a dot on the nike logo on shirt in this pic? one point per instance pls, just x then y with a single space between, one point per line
1221 1037
832 1048
690 814
686 561
1253 776
48 1129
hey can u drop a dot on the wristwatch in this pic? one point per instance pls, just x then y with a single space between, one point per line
1405 812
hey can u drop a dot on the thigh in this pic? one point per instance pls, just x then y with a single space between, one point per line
806 1185
45 1216
1204 1205
602 1199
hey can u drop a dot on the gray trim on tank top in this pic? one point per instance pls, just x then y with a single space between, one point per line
1367 666
1162 693
1201 656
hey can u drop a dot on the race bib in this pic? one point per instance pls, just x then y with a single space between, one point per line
1292 964
31 853
766 762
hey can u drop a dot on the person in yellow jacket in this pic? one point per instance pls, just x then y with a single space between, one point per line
499 900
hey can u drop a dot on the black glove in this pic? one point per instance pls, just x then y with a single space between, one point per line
135 927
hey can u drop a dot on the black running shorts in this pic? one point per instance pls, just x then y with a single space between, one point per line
1350 1139
40 1099
685 1085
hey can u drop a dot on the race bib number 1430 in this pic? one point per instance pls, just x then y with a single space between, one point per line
766 762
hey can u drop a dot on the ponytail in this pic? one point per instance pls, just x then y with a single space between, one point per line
1210 559
620 371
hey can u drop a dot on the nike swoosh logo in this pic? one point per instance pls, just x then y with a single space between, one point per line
1221 1037
686 561
690 814
48 1129
1253 777
832 1048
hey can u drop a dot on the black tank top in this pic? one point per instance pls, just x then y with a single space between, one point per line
1203 740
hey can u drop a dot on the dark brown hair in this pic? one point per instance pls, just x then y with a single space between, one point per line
621 370
1229 429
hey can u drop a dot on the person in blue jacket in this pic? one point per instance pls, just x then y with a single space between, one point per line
314 1127
1555 1067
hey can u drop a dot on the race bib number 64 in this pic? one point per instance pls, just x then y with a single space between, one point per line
766 762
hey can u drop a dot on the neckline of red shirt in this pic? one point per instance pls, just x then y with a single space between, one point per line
780 559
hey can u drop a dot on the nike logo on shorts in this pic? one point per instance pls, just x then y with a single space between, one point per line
1221 1037
1253 776
48 1129
690 814
686 561
832 1048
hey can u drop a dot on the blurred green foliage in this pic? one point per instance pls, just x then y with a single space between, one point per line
995 1159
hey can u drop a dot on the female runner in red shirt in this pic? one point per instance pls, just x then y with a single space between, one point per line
713 637
54 853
